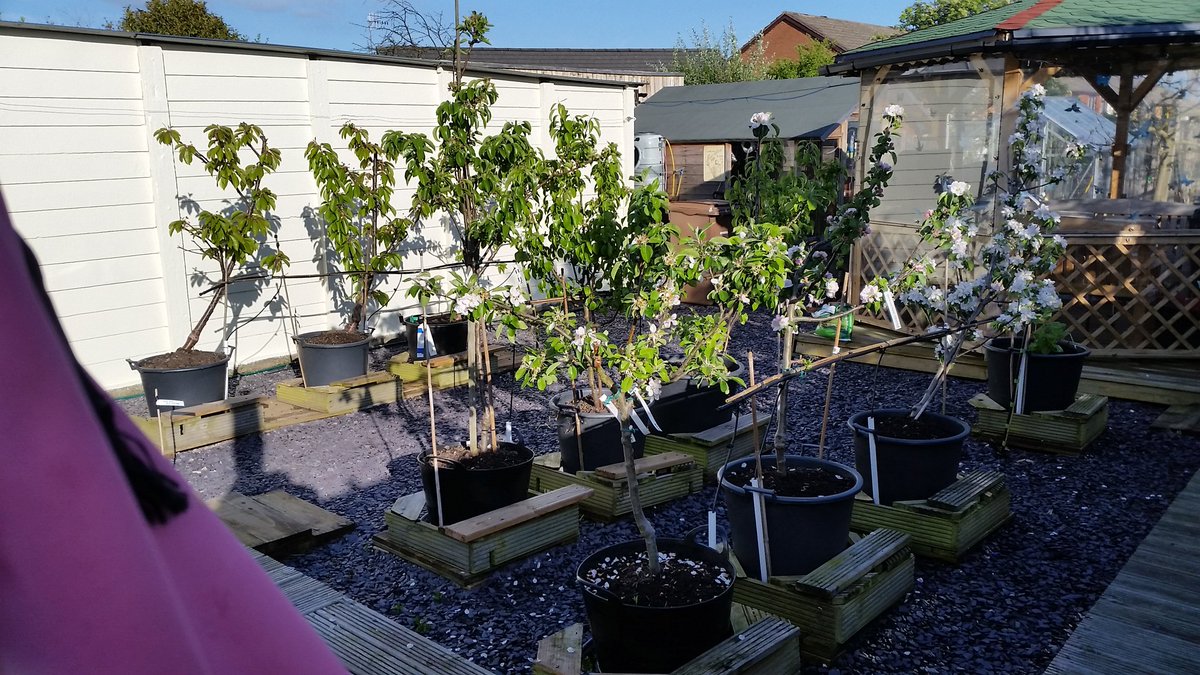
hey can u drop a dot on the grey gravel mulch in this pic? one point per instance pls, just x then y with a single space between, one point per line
1008 607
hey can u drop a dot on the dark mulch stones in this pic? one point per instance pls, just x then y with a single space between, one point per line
1007 607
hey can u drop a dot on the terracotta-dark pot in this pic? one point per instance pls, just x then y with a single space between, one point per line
909 468
633 639
471 492
1051 380
803 532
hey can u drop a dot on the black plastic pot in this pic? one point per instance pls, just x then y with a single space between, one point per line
1051 380
444 337
632 639
909 469
193 386
470 492
322 364
600 436
687 406
803 532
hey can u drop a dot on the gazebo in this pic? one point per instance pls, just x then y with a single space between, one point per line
1126 77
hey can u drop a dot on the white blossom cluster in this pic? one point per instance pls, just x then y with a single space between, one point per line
1006 269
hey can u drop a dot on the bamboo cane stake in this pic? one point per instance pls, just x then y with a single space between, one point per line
837 337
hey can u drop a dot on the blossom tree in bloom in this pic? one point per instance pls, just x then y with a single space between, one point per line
645 268
993 276
797 202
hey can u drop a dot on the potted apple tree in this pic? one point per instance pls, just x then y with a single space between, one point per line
230 239
806 502
987 275
365 236
638 592
481 187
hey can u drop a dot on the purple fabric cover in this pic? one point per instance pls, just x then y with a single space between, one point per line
86 584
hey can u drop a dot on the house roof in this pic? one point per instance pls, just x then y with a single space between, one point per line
1029 24
593 60
810 107
845 35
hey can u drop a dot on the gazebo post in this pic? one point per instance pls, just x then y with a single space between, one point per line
1124 101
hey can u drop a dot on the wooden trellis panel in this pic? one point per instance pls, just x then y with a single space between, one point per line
1132 294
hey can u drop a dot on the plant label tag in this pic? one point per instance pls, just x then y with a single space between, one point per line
169 403
874 456
889 301
650 415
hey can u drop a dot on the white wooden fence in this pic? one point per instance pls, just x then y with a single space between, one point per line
92 192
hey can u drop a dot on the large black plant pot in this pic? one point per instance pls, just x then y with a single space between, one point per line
687 406
1051 380
192 386
909 468
470 492
444 336
803 532
324 363
632 639
599 435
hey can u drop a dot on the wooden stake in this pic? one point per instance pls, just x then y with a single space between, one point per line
837 339
758 472
437 478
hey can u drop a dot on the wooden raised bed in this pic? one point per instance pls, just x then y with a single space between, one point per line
449 370
349 395
836 600
769 647
467 551
710 447
1067 431
199 425
949 523
661 478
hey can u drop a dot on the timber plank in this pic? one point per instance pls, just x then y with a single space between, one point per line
641 465
561 653
610 498
767 647
1184 418
480 526
324 524
258 525
849 566
366 642
967 490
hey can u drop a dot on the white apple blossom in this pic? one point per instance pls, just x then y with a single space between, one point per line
870 294
759 119
894 111
779 323
959 188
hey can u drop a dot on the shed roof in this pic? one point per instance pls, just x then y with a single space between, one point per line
1038 23
810 107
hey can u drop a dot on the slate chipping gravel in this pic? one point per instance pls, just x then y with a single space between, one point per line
1007 608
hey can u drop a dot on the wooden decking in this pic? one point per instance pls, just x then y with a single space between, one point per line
366 641
1148 620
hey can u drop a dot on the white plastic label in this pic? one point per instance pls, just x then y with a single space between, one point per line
169 403
890 301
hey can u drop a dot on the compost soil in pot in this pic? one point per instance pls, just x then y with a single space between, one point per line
904 426
797 481
505 456
181 358
334 337
682 581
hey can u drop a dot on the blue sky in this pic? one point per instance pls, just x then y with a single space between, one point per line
336 24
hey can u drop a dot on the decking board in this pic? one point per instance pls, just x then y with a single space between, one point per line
1148 620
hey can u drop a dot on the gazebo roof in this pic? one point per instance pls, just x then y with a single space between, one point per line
1039 26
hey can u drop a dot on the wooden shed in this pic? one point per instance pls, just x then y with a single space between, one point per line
707 127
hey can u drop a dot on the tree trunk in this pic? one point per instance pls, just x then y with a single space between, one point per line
193 337
645 527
